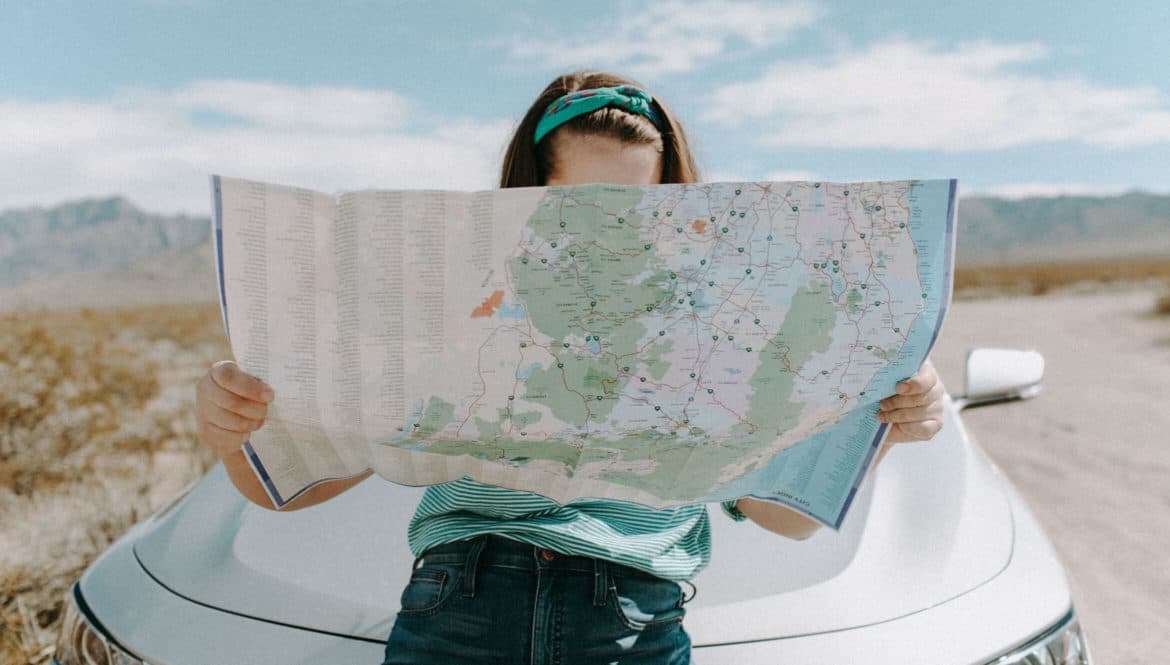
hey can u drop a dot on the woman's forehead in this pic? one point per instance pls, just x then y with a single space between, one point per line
580 159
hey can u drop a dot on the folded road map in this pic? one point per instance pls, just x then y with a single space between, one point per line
661 344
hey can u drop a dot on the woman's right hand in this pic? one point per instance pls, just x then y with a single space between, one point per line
230 404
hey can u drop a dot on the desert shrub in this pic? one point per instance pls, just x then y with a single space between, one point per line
96 433
1162 305
1041 278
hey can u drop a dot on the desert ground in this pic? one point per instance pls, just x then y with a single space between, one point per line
96 432
1091 453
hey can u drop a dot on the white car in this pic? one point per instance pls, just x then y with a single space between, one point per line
938 562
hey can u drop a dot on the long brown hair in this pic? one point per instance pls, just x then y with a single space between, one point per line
529 165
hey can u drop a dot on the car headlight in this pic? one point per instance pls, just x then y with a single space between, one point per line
1062 644
82 640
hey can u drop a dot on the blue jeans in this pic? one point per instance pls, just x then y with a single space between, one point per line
494 600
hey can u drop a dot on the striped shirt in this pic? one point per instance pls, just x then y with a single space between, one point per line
672 543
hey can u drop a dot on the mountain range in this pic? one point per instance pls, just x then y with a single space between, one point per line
103 252
994 231
108 252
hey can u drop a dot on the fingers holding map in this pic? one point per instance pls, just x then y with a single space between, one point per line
661 344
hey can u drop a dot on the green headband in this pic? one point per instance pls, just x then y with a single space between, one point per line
567 107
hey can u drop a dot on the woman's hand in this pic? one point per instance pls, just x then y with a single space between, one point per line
915 412
230 404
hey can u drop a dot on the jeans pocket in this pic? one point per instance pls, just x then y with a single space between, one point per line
427 590
642 603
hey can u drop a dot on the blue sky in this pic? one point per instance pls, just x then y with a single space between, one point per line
146 98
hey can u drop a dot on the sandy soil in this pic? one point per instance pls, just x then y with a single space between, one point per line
1091 454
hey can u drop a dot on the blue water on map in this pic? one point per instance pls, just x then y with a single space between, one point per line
527 371
838 285
594 345
513 312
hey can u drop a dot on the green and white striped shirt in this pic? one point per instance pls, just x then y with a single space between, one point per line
672 543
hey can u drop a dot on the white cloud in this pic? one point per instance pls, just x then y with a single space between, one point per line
1027 190
280 105
672 36
900 94
771 176
784 176
157 147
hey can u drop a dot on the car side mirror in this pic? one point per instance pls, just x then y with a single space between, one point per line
1001 375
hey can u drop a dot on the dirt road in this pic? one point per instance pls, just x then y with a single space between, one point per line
1091 454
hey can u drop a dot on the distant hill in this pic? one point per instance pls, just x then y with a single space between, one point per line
996 231
108 252
89 235
183 275
100 252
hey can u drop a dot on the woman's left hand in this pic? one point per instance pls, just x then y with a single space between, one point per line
915 412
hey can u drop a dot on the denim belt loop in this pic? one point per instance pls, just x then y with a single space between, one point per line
471 565
600 582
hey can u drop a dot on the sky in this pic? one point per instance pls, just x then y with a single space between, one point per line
145 98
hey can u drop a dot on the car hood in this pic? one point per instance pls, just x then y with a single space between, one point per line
932 524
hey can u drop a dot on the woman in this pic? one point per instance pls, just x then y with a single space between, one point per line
505 576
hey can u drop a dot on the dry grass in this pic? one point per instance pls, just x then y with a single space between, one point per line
96 433
1162 305
1040 278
